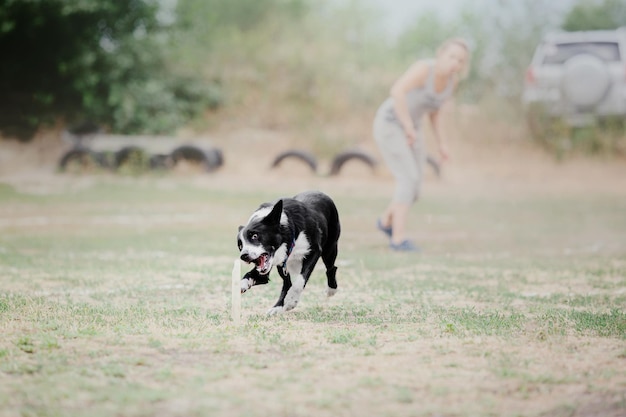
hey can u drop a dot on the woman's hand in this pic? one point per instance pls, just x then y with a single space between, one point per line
443 151
410 136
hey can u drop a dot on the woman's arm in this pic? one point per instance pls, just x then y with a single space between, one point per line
414 77
439 130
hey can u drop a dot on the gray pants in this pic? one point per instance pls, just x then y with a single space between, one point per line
405 162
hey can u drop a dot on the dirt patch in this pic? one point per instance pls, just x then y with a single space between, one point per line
151 334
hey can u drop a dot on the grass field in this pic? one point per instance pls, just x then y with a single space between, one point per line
115 300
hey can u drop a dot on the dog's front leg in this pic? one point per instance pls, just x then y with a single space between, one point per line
279 306
253 278
299 281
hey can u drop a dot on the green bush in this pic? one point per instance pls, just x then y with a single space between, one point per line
605 137
608 14
97 60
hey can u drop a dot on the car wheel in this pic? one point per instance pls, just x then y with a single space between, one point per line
586 80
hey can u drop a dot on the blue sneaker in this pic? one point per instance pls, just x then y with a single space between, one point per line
385 230
404 246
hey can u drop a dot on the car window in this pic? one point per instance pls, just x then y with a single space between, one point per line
555 54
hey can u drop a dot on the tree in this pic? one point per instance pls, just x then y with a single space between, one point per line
502 39
608 14
97 60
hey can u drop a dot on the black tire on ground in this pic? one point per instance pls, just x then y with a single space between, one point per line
78 157
343 157
130 155
303 156
210 159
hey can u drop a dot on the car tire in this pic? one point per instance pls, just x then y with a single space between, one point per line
586 81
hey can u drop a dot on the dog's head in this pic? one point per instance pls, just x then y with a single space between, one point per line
261 237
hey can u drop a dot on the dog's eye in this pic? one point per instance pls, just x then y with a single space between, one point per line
253 237
239 244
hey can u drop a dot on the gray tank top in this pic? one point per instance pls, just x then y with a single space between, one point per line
419 100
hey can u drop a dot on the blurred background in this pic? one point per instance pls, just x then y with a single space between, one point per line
280 73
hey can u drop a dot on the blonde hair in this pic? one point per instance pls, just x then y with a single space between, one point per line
463 44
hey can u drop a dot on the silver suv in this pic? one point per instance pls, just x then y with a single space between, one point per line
578 78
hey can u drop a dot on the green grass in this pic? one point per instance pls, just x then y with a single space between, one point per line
115 299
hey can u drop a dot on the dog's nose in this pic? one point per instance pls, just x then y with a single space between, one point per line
245 257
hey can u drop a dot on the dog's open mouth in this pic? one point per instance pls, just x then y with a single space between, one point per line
263 264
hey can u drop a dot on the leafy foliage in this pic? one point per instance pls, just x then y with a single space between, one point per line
241 14
90 60
499 55
282 63
609 14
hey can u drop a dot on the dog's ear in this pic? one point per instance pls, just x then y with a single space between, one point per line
240 227
274 216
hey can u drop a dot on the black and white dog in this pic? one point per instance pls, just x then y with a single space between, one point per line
291 234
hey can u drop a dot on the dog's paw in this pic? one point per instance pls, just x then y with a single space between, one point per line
292 298
275 310
246 284
290 305
330 291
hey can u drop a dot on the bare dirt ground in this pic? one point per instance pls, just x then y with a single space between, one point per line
460 383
